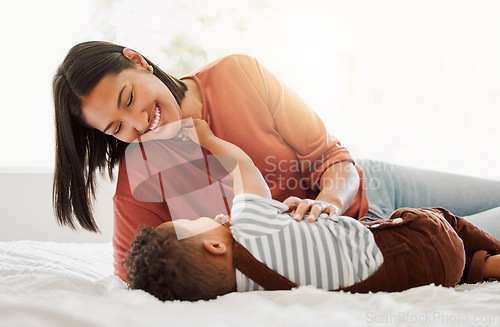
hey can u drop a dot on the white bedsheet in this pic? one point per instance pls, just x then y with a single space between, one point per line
66 284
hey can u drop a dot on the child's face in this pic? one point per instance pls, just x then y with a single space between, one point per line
186 227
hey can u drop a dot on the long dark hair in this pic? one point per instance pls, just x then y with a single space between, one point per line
81 150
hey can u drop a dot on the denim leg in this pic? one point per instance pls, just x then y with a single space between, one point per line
486 221
392 186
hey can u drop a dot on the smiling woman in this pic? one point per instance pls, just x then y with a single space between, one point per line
81 145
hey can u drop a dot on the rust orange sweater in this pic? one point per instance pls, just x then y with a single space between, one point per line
244 104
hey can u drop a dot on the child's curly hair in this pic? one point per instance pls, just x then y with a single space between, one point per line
172 269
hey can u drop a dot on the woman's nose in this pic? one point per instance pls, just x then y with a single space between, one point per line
135 125
138 120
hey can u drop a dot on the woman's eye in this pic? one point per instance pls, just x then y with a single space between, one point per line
118 128
130 99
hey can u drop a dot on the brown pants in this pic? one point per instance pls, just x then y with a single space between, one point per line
424 246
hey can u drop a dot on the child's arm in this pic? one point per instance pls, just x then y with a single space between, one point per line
491 267
247 178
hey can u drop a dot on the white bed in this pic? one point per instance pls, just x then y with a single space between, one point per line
70 284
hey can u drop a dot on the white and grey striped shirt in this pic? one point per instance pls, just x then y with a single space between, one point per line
331 253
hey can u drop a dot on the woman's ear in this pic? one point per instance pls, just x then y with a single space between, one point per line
135 57
215 247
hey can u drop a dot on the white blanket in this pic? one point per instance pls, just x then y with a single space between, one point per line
66 284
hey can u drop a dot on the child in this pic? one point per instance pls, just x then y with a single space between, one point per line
264 248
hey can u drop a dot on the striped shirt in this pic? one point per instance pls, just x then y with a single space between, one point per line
332 253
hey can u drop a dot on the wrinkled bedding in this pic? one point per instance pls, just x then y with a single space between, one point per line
70 284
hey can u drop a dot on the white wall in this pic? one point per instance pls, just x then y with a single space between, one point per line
26 209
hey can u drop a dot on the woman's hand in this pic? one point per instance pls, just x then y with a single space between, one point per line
300 207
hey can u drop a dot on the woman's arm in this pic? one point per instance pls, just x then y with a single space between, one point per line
328 167
339 184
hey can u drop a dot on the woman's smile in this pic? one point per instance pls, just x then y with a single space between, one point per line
154 121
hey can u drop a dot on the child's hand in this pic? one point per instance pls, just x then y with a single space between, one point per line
199 131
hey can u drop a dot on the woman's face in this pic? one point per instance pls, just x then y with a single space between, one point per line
130 104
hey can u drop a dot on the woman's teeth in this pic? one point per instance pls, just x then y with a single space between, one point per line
157 119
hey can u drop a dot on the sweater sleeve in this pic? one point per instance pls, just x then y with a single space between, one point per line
301 128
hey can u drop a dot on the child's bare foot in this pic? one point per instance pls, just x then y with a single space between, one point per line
491 267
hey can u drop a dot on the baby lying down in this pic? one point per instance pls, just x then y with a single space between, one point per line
262 247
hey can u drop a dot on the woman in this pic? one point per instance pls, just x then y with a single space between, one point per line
107 96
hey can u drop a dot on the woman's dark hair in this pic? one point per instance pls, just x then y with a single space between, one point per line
80 149
172 269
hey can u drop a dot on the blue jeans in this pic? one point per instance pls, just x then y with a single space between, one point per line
390 187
